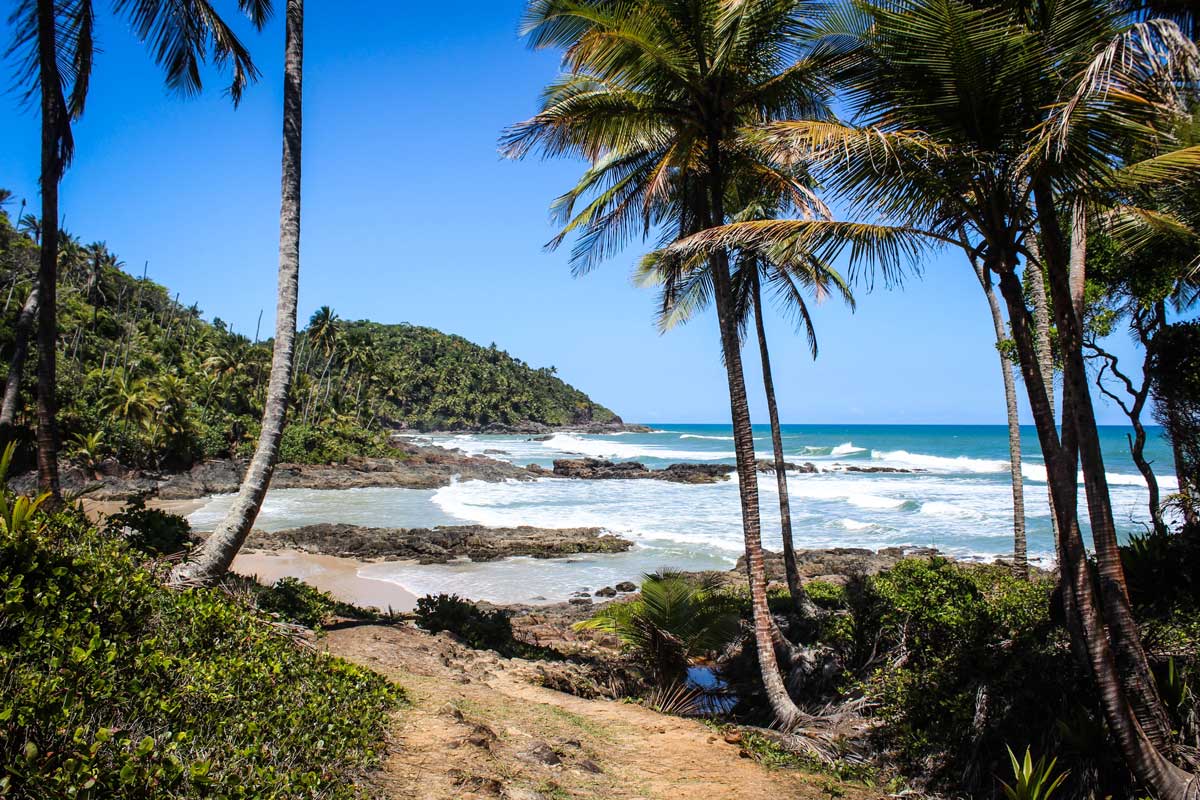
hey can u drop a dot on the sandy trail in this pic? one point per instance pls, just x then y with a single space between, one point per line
478 728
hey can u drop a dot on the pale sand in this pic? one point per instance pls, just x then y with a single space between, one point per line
338 576
98 508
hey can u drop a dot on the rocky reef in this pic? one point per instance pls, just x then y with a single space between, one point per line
440 544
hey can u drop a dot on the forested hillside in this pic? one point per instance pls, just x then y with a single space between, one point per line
145 379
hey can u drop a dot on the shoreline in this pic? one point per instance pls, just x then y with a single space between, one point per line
338 576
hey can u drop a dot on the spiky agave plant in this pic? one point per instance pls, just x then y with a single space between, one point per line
1032 780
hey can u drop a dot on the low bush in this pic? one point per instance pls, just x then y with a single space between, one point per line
150 530
296 601
116 686
486 630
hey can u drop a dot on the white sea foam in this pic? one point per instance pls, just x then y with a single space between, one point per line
600 448
711 438
846 449
903 458
1037 474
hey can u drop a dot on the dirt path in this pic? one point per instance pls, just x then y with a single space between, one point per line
478 728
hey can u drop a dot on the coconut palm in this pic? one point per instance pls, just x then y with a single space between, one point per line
214 557
948 93
653 95
54 47
1012 413
687 288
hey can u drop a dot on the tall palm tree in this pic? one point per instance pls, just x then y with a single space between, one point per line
53 44
212 561
951 91
687 288
653 95
1012 412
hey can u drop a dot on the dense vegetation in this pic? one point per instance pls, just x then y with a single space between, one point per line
955 664
146 380
119 687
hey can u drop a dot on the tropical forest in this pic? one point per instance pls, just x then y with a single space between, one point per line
896 304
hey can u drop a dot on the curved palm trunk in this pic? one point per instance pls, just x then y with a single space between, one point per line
1020 548
1079 421
786 713
54 122
800 601
12 384
218 552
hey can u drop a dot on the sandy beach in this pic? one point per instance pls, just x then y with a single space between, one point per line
338 576
104 508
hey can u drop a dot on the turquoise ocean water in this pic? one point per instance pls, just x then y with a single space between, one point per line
958 499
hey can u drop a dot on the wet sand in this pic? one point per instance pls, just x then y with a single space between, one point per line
338 576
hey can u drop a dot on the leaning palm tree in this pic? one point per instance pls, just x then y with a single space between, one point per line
216 555
997 120
654 93
54 47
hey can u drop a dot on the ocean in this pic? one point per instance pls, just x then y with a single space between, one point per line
960 502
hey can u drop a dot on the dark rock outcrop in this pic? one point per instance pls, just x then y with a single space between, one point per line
413 467
768 466
601 469
441 544
836 561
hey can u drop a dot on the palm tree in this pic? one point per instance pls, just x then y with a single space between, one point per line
1020 544
53 42
687 288
950 92
654 95
217 553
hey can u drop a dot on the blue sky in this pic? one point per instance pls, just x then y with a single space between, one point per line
410 215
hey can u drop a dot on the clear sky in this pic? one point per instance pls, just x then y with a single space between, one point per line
410 215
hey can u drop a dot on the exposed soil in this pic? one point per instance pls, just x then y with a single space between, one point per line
479 728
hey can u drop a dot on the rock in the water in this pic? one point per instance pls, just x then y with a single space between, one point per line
626 586
441 544
601 469
580 601
607 591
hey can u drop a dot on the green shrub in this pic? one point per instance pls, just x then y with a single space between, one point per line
298 602
329 444
150 530
487 630
983 664
116 686
826 595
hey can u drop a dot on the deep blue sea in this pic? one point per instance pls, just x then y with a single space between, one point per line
958 500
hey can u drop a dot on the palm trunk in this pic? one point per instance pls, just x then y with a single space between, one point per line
800 600
786 713
1142 756
218 551
1020 547
12 385
1079 421
54 127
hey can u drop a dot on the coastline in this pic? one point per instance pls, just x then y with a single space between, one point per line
338 576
